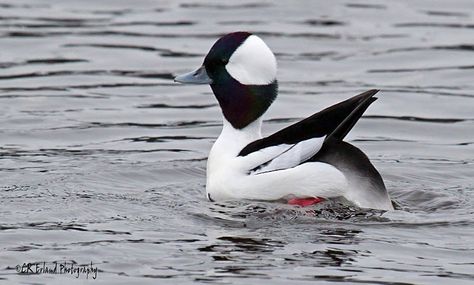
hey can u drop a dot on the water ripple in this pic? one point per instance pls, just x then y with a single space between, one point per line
103 158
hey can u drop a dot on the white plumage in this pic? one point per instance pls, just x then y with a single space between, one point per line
228 174
291 156
253 63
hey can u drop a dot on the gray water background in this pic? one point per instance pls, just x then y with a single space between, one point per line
102 156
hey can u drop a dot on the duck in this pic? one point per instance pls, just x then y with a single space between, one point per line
303 164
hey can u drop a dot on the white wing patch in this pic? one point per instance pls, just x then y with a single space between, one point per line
291 155
262 156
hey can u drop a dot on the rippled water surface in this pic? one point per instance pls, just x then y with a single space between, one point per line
102 156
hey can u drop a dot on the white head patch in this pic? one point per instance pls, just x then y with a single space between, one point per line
252 63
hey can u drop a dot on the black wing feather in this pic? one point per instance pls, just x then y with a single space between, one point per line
355 166
334 122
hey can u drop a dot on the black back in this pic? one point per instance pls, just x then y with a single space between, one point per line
355 166
334 122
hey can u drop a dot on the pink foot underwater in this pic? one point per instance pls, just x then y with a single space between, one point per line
304 202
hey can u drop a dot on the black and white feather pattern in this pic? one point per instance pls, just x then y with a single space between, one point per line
301 141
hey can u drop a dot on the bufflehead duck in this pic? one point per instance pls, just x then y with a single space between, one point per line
303 163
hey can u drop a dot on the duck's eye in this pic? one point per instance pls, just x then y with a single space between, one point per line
224 61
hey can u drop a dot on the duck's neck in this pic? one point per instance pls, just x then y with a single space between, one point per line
251 132
243 105
232 140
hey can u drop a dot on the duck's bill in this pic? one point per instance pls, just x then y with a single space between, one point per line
198 76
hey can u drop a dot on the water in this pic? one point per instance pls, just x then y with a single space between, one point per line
103 157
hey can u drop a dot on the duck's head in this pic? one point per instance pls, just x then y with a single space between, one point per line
241 70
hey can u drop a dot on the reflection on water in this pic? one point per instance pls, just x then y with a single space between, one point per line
102 156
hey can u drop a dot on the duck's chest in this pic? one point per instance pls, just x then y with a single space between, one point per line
223 169
224 165
224 156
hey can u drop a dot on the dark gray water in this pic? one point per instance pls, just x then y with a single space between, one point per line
102 156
